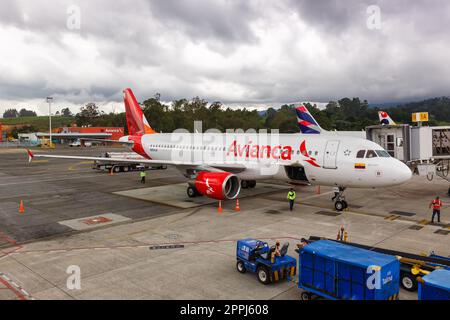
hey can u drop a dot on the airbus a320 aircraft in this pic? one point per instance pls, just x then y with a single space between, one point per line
219 164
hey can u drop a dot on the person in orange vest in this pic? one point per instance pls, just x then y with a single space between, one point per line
436 204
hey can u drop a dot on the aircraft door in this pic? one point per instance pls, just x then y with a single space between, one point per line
330 156
296 173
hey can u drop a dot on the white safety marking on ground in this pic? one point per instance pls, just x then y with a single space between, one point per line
17 289
94 221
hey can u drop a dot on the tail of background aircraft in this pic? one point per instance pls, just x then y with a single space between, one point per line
136 121
306 122
385 119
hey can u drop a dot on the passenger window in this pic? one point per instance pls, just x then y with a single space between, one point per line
371 154
361 153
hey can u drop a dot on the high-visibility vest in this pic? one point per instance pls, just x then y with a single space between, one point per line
142 174
291 195
437 204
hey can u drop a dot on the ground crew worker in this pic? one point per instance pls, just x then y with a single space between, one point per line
142 175
436 204
277 249
340 235
291 197
303 243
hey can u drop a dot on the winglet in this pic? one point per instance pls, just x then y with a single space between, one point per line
306 122
30 155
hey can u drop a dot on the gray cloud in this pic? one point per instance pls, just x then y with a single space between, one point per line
250 52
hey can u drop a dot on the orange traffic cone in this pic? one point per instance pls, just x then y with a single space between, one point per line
219 209
237 206
318 190
111 172
21 207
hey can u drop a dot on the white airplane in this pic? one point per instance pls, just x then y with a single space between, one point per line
219 164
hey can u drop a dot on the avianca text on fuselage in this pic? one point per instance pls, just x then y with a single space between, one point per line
255 151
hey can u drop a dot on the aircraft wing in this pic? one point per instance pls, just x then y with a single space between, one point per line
31 156
221 166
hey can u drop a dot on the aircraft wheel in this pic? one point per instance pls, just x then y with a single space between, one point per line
305 296
263 275
116 169
240 266
345 204
244 184
339 205
126 169
252 184
191 192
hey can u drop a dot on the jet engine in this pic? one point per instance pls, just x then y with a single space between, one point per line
218 185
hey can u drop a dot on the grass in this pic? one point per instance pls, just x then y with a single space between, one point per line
41 123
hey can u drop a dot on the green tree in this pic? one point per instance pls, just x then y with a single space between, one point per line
11 113
66 112
88 115
27 113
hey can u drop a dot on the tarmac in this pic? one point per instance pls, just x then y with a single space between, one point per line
135 241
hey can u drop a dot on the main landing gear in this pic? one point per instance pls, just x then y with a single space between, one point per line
192 191
339 200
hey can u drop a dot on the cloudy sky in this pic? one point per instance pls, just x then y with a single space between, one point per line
247 52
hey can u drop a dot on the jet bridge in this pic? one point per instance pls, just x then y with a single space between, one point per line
425 149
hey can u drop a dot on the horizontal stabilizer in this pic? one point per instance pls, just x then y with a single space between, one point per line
108 140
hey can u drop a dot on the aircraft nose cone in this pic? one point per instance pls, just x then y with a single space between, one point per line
403 173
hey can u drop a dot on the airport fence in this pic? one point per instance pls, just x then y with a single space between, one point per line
16 144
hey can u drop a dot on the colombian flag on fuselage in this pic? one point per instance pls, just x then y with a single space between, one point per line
360 165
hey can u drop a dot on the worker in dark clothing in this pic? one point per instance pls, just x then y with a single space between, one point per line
340 235
303 242
142 175
436 204
291 197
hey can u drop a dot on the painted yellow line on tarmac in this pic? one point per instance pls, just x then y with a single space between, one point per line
74 167
40 161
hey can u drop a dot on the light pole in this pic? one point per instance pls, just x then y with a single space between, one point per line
49 101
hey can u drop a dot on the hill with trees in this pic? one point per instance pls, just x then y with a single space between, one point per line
344 114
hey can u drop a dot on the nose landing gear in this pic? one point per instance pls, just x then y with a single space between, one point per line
339 200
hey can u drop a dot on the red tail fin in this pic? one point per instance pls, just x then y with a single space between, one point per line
137 124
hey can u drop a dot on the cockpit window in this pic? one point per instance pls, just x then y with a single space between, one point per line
382 153
371 154
360 153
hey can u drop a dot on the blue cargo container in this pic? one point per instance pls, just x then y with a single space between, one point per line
435 285
337 271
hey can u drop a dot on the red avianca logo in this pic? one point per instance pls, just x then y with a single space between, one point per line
309 159
250 150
